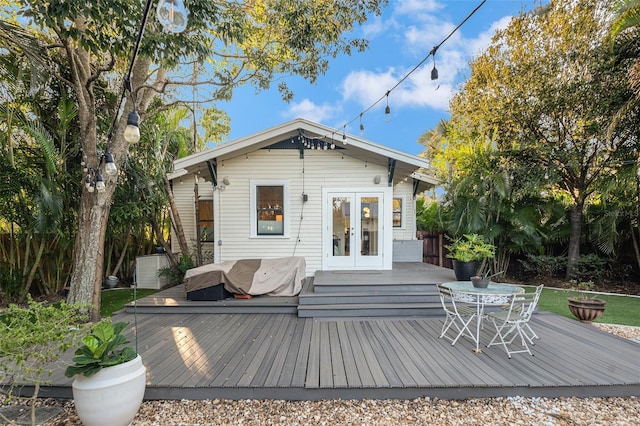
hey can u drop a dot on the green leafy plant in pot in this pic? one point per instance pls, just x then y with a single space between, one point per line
584 305
110 379
467 251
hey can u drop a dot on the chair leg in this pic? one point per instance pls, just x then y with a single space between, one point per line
530 334
517 331
465 327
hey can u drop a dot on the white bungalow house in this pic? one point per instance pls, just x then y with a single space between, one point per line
302 189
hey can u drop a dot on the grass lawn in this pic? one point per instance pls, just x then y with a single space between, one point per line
619 309
113 300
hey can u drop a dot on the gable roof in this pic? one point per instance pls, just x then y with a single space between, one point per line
404 164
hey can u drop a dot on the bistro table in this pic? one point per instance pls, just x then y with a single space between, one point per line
493 294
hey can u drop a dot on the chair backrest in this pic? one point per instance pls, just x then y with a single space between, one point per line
447 299
450 299
523 305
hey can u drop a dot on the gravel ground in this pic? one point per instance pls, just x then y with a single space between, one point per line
423 411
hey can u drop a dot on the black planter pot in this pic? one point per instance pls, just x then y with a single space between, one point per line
465 270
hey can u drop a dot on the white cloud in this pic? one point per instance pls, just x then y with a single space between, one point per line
311 111
479 44
408 7
422 31
366 88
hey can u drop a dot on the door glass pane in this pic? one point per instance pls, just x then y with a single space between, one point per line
369 226
341 225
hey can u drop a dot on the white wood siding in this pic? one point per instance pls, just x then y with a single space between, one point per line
408 232
319 169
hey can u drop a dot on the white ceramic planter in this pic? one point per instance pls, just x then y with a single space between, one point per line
112 396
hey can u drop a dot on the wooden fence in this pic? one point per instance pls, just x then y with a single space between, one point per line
433 249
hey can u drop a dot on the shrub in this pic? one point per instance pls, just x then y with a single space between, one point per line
543 265
32 338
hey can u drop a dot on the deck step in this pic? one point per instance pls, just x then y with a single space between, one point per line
371 310
342 298
381 288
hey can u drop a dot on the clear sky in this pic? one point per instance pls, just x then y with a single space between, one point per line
399 40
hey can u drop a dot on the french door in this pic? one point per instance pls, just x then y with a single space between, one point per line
353 231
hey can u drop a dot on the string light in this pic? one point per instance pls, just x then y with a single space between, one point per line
434 71
172 14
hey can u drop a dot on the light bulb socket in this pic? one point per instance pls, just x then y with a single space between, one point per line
434 73
387 110
133 119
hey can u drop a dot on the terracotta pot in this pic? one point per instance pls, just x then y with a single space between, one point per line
112 396
586 310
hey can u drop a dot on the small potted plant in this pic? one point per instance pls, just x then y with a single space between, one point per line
584 306
110 379
482 279
467 251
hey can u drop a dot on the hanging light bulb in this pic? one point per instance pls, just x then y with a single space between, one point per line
110 167
91 186
434 71
132 131
387 109
361 125
88 182
100 186
172 14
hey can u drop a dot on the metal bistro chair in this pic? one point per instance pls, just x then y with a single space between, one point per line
513 322
458 316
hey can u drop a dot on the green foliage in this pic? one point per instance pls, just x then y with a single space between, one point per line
589 267
544 94
33 336
176 273
543 265
470 247
101 349
429 216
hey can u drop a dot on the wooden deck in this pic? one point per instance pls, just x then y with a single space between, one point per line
262 349
281 356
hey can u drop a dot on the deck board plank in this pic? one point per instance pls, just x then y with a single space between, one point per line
352 375
338 350
312 379
301 366
286 346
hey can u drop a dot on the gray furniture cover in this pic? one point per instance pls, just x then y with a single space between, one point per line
272 277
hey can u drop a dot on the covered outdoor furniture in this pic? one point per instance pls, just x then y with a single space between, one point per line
271 277
458 316
513 322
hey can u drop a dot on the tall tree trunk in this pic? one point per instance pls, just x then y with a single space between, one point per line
175 216
86 279
574 239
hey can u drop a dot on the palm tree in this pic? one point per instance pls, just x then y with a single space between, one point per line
624 33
